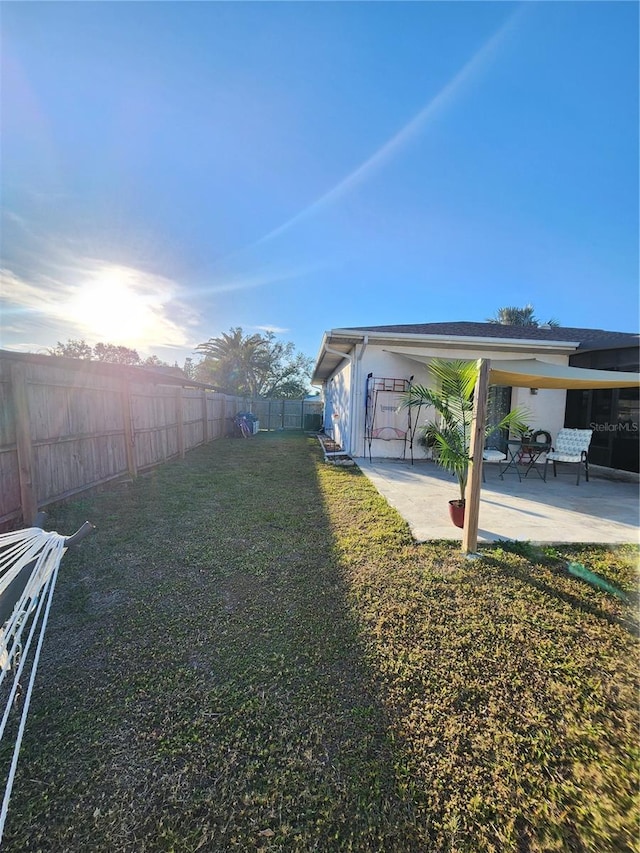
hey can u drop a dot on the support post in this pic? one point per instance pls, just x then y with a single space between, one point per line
24 446
129 434
474 481
180 422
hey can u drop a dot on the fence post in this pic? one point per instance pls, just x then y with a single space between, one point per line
129 434
24 446
180 420
205 420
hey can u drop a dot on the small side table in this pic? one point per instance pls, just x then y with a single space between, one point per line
514 451
530 453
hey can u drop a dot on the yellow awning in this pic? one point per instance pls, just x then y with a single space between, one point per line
533 373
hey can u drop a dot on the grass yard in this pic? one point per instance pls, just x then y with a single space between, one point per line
251 653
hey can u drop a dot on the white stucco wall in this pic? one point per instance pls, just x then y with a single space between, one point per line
345 394
546 408
386 365
337 409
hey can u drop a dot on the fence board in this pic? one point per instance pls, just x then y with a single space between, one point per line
10 492
7 420
24 447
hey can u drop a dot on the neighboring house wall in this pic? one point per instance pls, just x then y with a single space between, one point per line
347 398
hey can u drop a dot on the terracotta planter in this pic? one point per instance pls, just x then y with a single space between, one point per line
456 511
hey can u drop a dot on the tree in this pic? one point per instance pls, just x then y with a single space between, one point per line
233 362
189 368
286 372
254 365
113 353
511 316
154 361
72 349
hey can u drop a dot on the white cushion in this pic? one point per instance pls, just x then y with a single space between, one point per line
554 456
571 442
493 456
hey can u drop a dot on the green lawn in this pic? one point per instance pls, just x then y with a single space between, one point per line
252 653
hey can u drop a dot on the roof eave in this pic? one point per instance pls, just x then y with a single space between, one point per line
469 340
350 338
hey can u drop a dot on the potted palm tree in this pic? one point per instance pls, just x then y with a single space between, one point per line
451 432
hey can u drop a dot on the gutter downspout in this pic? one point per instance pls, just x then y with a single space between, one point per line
350 360
365 343
355 398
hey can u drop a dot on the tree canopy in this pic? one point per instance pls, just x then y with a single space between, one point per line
254 365
112 353
511 316
72 349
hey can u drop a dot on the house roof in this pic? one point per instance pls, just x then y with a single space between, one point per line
338 343
587 339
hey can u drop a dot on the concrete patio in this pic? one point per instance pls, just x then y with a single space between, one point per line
602 510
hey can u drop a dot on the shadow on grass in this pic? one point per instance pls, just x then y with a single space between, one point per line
202 686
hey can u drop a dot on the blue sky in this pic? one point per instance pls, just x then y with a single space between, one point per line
171 170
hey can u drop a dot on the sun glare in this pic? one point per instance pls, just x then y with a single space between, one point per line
110 308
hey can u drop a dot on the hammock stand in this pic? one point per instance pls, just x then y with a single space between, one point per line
29 563
375 387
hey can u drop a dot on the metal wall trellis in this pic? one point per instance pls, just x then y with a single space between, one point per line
378 402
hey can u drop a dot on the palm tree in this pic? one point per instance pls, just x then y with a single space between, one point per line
236 361
453 401
254 365
511 316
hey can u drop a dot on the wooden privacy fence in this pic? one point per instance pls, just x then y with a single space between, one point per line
288 414
68 425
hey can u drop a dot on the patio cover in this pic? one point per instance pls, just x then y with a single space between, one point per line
533 373
521 373
544 375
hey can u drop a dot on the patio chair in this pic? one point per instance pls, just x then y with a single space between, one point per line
572 445
490 454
